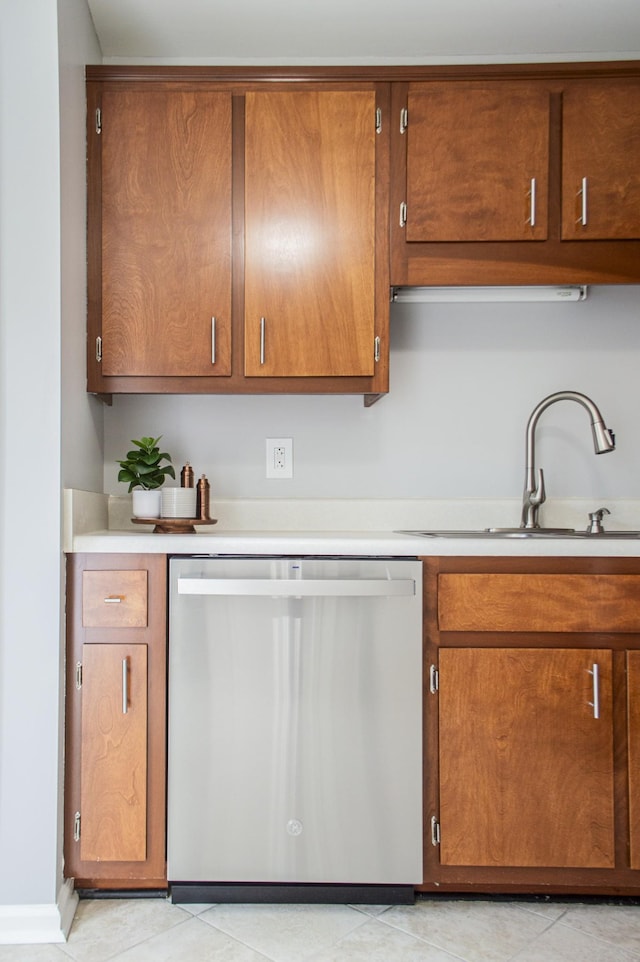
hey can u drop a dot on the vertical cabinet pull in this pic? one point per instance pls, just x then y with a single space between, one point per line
125 686
532 203
262 339
435 831
595 704
213 340
582 194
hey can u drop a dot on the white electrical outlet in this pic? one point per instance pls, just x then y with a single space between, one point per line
279 457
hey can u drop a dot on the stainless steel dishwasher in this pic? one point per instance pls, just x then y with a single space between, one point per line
295 721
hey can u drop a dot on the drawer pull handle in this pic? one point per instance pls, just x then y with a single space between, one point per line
125 687
114 599
595 704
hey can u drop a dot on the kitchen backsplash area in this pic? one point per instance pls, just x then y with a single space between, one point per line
464 380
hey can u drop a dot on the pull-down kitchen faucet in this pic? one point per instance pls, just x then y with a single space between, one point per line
534 492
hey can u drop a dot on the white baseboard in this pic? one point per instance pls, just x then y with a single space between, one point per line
35 924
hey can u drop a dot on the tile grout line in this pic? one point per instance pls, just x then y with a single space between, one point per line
598 940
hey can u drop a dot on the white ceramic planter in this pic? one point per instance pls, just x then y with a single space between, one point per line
146 504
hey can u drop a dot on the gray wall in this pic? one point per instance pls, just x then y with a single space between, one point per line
41 276
30 453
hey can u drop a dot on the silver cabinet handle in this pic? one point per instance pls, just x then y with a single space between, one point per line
435 831
532 203
125 687
297 588
113 600
262 338
213 340
595 704
582 193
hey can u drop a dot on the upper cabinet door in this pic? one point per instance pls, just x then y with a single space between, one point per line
477 162
310 233
166 232
601 160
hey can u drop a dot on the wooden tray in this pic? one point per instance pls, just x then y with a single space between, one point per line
174 525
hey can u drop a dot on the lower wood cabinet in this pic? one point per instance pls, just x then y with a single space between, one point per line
518 727
116 721
532 725
633 754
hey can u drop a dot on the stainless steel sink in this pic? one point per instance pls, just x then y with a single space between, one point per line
525 533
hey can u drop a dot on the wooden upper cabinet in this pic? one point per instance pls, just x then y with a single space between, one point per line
477 162
166 232
310 225
601 160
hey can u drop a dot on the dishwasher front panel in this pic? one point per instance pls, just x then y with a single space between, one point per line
295 721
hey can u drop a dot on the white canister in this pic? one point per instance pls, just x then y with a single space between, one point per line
178 503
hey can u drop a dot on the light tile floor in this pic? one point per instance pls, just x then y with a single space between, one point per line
432 930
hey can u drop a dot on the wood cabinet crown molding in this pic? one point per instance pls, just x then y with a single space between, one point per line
404 73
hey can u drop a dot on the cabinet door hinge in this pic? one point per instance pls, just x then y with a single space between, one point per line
98 120
98 349
376 349
78 675
434 679
76 827
404 119
378 120
435 831
403 214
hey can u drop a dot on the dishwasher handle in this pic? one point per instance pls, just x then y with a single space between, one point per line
298 588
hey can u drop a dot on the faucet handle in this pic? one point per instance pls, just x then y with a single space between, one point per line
595 521
539 496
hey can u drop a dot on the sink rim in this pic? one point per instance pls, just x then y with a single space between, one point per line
524 534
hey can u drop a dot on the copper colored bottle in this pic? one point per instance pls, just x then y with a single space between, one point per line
202 499
186 476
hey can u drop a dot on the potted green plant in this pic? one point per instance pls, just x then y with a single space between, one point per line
145 474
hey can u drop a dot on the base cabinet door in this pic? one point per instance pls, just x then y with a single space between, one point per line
115 759
526 757
633 741
113 793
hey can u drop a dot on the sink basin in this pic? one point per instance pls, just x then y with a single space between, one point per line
525 533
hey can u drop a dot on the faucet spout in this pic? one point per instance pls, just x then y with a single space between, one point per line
534 490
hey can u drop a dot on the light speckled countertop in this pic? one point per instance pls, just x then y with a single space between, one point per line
99 523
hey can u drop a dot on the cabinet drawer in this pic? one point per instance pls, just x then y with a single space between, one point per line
114 599
538 602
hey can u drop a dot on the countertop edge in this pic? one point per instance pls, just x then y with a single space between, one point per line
369 543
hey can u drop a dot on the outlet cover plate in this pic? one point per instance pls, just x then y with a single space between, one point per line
279 462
